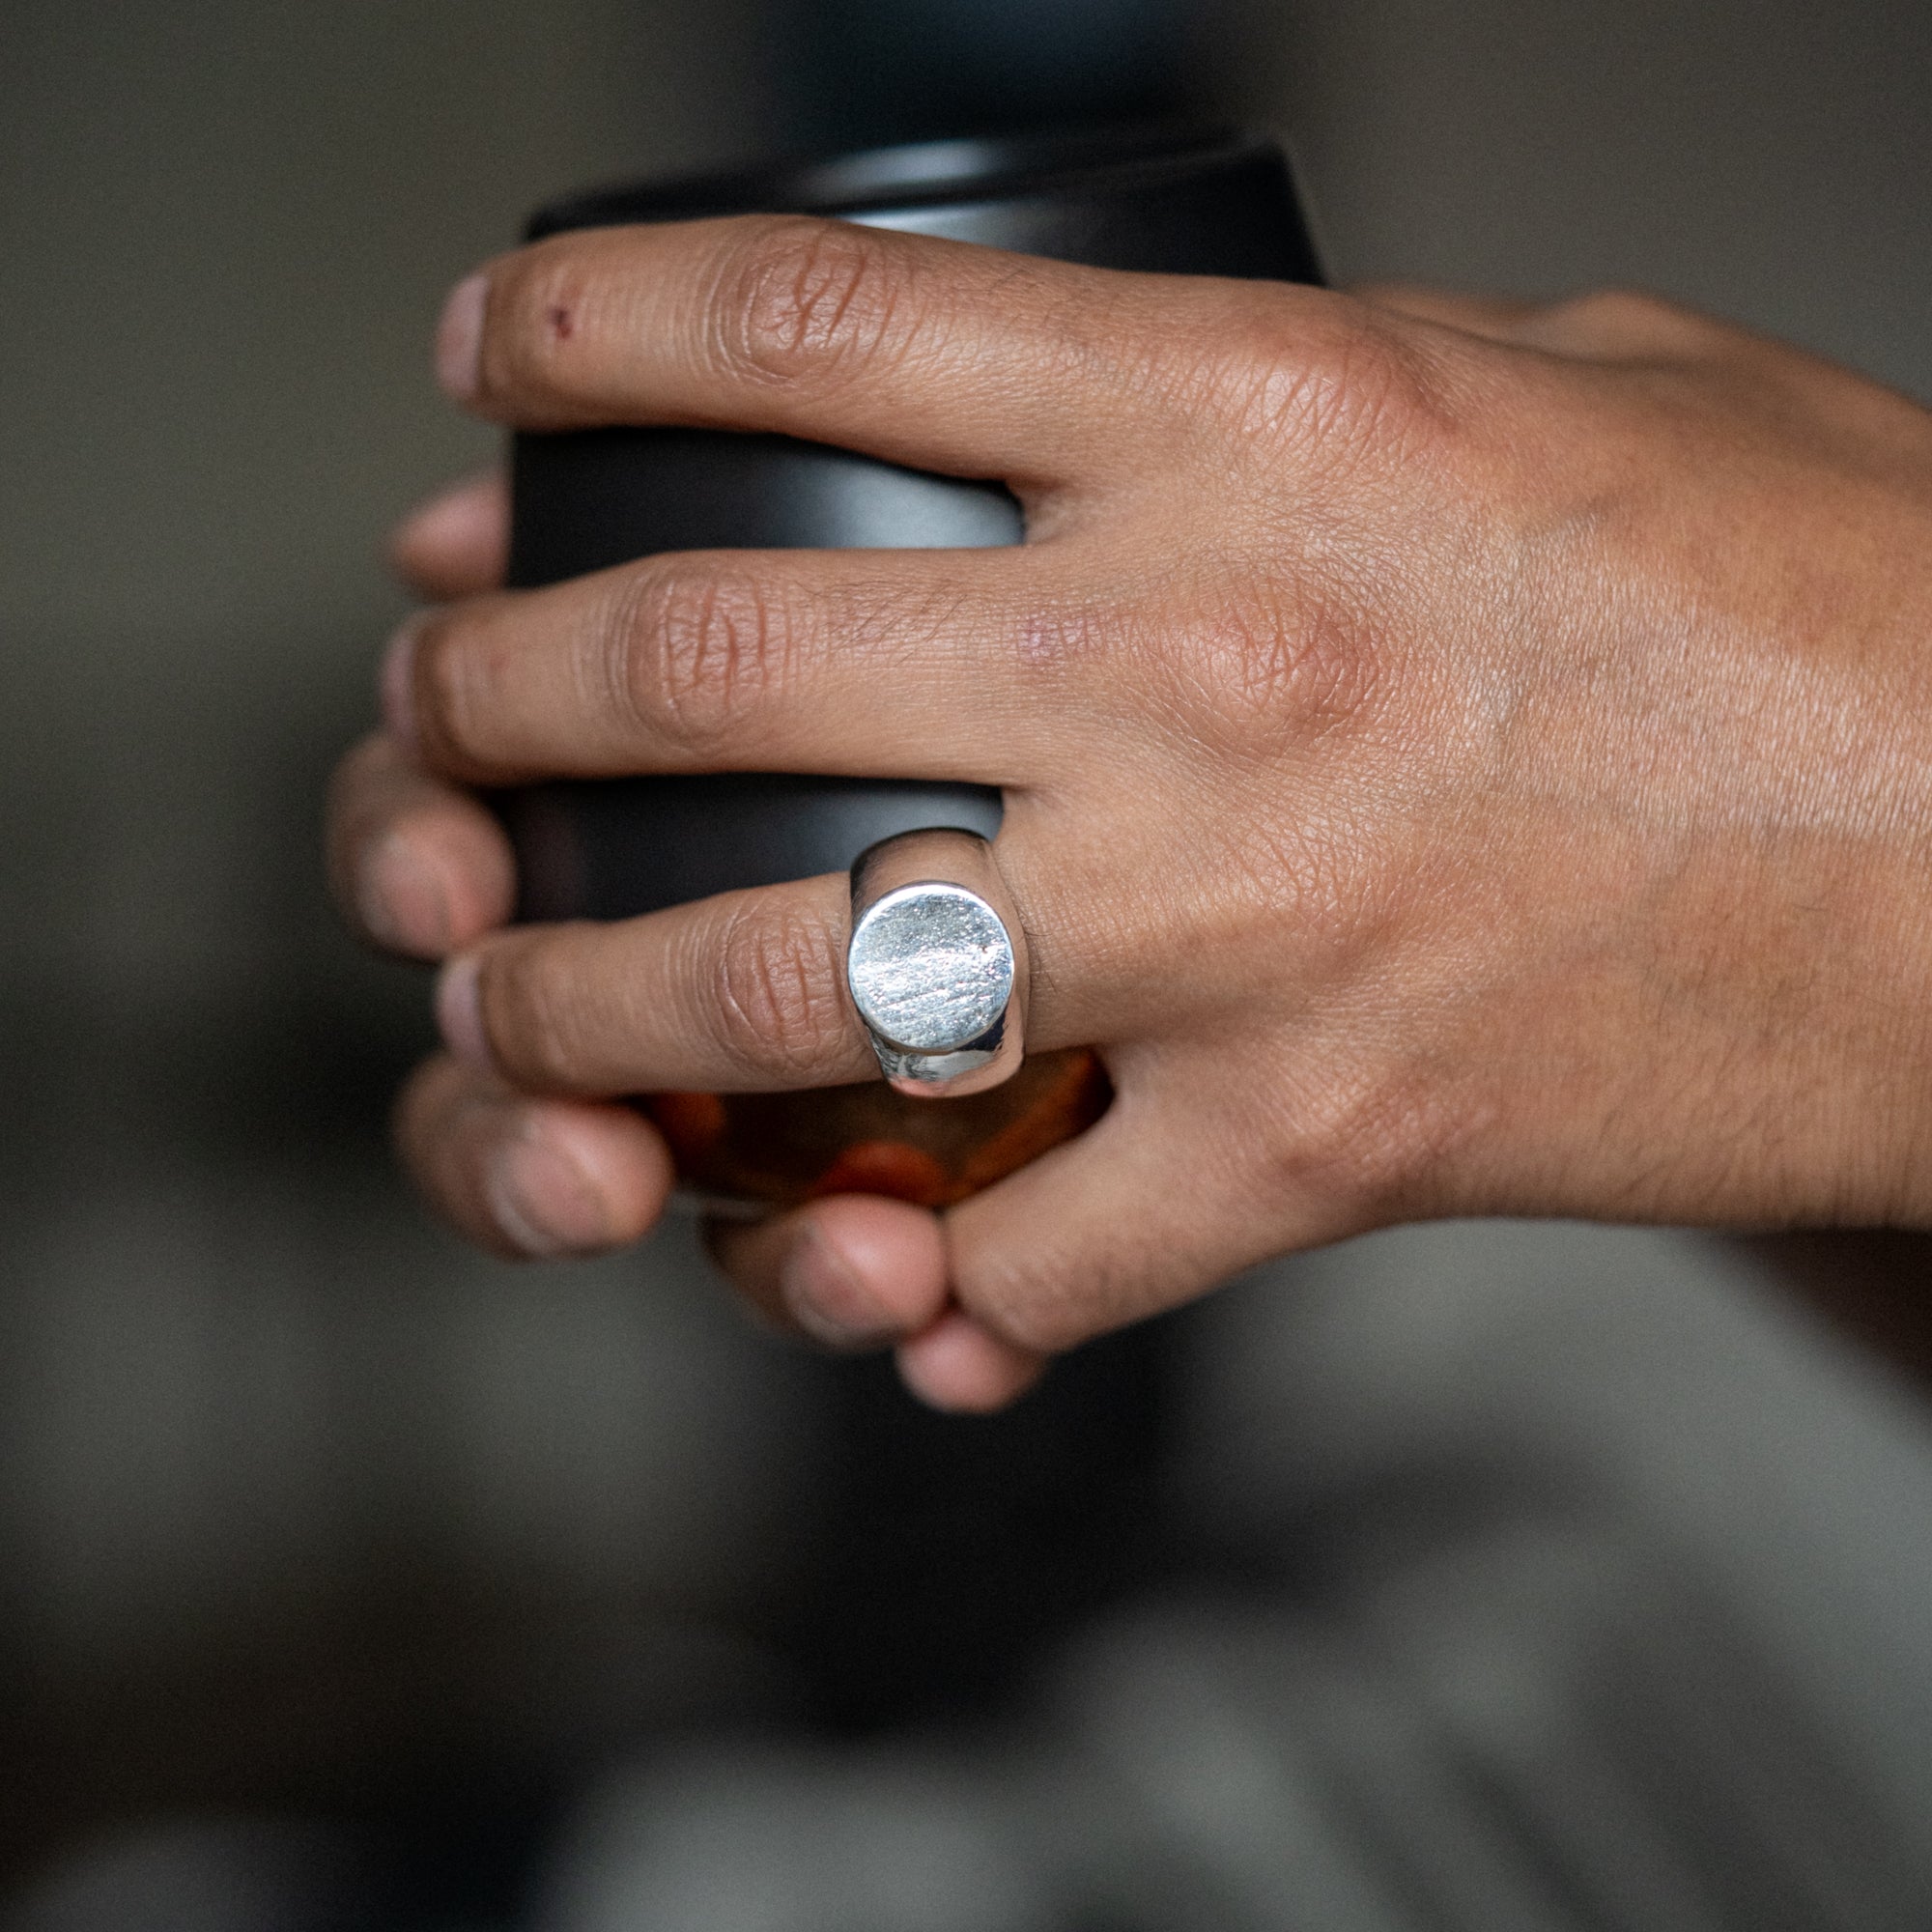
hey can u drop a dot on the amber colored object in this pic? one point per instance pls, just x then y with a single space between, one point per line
782 1148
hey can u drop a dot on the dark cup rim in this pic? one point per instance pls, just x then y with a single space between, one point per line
920 173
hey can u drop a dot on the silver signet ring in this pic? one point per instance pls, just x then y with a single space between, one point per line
937 963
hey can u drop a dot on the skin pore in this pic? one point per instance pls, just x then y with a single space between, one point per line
1462 758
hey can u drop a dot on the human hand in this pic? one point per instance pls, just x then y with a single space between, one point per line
1460 758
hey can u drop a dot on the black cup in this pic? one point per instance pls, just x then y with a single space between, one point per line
1188 202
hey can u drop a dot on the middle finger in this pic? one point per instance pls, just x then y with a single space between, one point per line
868 663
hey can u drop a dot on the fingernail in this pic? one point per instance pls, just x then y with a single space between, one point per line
543 1201
825 1295
404 898
397 682
459 1012
459 337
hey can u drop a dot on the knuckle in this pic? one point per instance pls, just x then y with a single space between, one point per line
801 299
777 1008
1628 322
693 651
1614 309
1263 670
1342 383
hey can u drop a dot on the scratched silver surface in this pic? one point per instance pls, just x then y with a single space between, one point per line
930 967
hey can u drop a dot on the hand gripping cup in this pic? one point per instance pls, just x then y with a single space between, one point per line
937 964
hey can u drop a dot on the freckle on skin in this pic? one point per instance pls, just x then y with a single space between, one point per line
562 324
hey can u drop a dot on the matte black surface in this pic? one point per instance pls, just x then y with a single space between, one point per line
613 848
1183 201
594 498
1191 202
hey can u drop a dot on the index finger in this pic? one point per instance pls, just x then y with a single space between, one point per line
943 354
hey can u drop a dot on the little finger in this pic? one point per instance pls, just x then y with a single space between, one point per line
526 1177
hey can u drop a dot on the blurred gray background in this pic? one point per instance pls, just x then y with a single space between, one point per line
301 1506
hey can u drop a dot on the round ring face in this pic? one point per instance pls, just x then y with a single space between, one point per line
930 967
